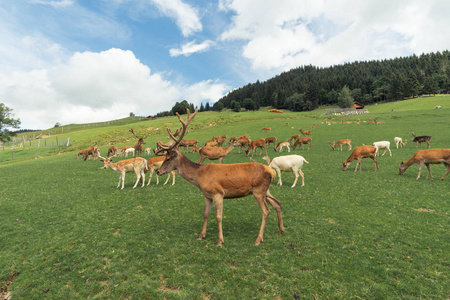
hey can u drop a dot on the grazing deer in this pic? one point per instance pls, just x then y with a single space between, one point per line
288 163
187 143
138 148
383 145
153 164
399 141
243 142
302 141
420 139
260 143
307 132
295 136
213 153
272 140
211 143
136 165
124 149
360 153
266 129
340 143
427 157
218 181
282 145
112 151
91 151
82 153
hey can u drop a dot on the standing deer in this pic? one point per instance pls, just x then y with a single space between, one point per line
360 153
136 165
214 153
302 141
427 157
260 143
340 143
420 139
138 148
307 132
217 182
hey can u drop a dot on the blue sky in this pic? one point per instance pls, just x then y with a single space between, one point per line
78 61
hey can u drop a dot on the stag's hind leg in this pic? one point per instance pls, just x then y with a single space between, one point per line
206 211
277 205
261 198
447 165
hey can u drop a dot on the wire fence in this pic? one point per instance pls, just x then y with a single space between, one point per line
31 145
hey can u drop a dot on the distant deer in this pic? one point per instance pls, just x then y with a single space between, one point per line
305 133
302 141
138 148
420 139
340 143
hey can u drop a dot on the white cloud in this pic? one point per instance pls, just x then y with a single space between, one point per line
286 34
191 48
96 87
56 4
186 17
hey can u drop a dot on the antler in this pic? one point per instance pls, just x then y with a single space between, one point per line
178 133
132 131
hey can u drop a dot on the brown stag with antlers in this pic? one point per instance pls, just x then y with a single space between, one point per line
138 148
219 181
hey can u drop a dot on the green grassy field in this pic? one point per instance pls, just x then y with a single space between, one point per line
69 233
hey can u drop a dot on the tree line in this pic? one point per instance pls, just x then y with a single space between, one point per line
306 88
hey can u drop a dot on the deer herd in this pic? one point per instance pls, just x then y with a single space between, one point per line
218 181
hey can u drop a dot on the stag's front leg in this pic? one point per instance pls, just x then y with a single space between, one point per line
208 203
218 203
429 170
448 170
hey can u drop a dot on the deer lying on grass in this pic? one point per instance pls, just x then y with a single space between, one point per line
282 145
399 141
302 141
305 133
218 181
383 145
360 153
213 153
340 143
136 165
420 139
260 143
427 157
153 164
288 163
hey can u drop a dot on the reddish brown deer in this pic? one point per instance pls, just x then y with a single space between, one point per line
340 143
217 182
260 143
112 151
305 133
187 144
427 157
213 153
138 148
295 136
266 129
270 140
302 141
421 139
360 153
243 142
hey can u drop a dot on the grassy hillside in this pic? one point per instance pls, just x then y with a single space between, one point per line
68 233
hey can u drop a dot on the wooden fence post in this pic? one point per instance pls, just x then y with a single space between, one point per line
14 150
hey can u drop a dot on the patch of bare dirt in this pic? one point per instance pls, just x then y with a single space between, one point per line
4 293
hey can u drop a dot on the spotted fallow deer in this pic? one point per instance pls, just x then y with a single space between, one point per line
136 165
219 181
